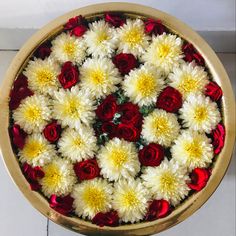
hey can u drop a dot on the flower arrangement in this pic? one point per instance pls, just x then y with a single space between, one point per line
116 120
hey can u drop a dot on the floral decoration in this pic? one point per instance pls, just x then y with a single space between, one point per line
116 120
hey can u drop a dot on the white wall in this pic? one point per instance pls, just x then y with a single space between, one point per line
212 15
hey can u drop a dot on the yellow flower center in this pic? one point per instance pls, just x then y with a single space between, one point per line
45 77
94 198
78 142
118 157
168 182
146 85
102 36
33 148
130 199
32 113
97 76
188 84
133 37
163 51
200 114
52 177
160 126
73 108
193 149
69 48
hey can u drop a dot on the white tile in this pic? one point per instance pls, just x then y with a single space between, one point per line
17 216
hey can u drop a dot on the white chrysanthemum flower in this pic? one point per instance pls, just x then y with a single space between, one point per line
73 107
37 151
78 144
100 39
33 113
132 37
188 78
118 159
164 52
192 150
142 85
160 127
167 181
66 47
59 178
42 75
99 76
91 197
199 113
130 200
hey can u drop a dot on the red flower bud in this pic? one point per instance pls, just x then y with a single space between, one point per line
106 219
106 110
154 27
151 155
125 62
69 75
18 136
114 19
199 178
130 114
218 137
63 205
128 132
33 174
170 99
87 169
191 54
52 132
158 209
213 90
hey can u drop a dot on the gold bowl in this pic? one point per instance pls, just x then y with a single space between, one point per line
189 206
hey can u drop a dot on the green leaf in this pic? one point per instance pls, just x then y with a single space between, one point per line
145 110
102 138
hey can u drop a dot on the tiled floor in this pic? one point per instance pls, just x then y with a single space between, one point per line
216 217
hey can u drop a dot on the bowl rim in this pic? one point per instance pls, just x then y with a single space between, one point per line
190 205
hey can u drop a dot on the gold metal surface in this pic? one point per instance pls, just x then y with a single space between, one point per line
191 204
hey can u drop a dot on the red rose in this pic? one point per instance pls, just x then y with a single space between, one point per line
18 136
52 132
218 136
128 132
151 155
125 62
130 114
63 205
20 91
199 178
69 75
158 209
20 83
43 51
106 110
87 169
33 174
114 19
191 54
75 22
109 128
78 31
214 91
169 99
72 23
106 219
154 27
